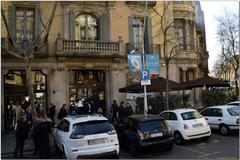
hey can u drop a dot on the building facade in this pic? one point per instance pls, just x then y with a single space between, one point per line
85 53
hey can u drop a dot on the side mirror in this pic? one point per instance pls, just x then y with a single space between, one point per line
55 126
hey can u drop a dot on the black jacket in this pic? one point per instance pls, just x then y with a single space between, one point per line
22 130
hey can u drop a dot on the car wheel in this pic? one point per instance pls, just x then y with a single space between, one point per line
133 150
178 139
224 130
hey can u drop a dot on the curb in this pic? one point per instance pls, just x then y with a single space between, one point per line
27 150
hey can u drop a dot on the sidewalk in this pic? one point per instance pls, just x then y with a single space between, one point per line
8 143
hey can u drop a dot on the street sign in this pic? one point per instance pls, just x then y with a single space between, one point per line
145 78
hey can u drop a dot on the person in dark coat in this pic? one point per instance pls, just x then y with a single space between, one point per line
63 112
129 110
122 112
114 111
21 134
52 112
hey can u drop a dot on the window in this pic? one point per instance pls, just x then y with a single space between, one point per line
64 125
138 32
184 31
165 115
190 115
152 125
216 112
86 27
172 116
24 26
206 112
234 111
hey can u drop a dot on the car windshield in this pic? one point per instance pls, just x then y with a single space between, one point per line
190 115
92 127
234 111
152 125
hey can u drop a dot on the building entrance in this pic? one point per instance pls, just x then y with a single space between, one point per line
89 85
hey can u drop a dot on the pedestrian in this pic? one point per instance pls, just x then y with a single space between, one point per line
63 112
114 112
52 112
29 116
100 110
42 135
11 115
122 112
21 134
150 110
129 110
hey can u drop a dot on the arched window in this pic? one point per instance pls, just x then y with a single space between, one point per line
86 27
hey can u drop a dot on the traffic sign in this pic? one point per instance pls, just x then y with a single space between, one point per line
145 77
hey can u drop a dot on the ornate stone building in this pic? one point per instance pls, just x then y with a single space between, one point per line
85 55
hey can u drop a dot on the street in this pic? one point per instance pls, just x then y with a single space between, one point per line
217 147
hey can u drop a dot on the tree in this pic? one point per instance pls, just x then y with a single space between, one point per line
228 37
170 42
28 49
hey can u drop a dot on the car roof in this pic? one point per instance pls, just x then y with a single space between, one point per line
180 110
235 102
85 118
148 117
222 106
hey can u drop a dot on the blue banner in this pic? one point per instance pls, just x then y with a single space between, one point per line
152 63
135 63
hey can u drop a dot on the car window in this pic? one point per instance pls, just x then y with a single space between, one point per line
92 127
206 112
190 115
234 111
172 116
216 112
152 125
165 115
64 125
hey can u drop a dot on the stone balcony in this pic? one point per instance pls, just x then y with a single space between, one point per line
88 48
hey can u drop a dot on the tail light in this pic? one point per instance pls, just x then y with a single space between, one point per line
78 136
141 135
112 132
237 121
185 126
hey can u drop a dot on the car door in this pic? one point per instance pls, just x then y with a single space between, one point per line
166 116
62 132
206 113
173 120
216 117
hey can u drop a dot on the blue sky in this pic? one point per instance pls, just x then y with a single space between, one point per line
212 9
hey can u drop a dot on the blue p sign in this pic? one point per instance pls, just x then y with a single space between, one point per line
145 75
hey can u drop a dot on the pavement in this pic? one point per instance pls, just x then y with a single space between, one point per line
8 143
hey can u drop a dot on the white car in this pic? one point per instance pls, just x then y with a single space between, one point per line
235 103
86 136
186 124
224 117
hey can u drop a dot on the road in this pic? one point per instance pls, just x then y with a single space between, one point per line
217 147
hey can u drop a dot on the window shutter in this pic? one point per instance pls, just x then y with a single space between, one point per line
148 36
131 36
12 24
104 27
37 25
71 25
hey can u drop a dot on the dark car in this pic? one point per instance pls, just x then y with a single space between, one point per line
145 131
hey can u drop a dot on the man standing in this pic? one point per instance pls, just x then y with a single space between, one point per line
52 112
114 111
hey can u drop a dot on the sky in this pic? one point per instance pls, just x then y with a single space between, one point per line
213 9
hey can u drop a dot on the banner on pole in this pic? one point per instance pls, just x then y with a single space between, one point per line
135 63
152 63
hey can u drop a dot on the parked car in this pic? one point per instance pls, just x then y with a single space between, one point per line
224 117
86 136
186 124
144 131
235 103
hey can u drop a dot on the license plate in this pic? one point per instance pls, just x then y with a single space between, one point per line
197 125
96 141
156 135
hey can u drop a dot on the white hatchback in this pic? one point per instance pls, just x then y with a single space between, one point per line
186 124
86 136
224 117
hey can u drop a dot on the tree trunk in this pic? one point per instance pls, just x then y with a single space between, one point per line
28 69
167 77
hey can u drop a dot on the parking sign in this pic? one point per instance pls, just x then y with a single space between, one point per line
145 77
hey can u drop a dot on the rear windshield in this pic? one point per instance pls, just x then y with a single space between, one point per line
234 111
92 127
190 115
152 125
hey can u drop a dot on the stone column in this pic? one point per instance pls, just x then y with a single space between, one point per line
3 114
65 20
108 91
184 69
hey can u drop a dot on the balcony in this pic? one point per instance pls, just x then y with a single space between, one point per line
88 48
156 49
6 44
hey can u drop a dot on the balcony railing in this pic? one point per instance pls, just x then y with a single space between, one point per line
82 47
7 45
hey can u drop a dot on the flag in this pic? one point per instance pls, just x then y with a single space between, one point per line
152 63
135 63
